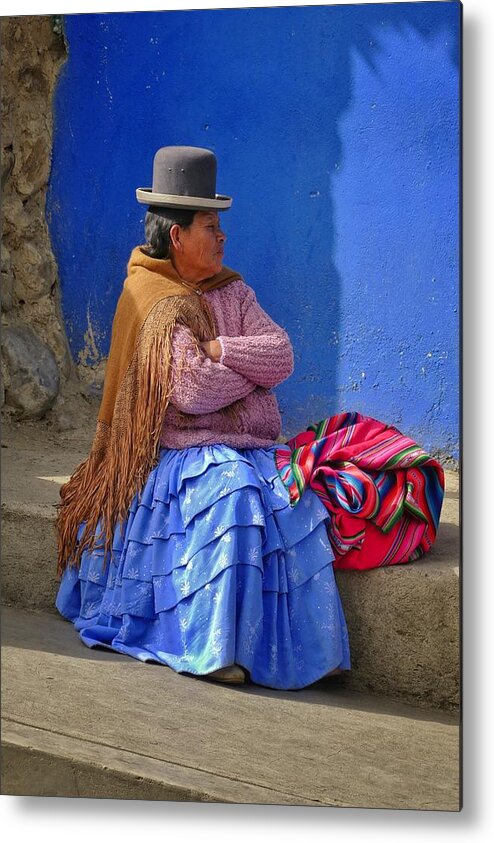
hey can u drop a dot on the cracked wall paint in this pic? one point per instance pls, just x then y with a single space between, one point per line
90 354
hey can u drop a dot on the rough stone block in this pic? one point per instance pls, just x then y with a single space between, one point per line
7 280
34 270
33 372
43 317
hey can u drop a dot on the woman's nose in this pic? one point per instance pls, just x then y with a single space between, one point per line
221 235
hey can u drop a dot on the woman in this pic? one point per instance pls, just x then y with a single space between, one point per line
177 543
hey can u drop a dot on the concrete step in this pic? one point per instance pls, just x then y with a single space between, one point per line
80 722
403 621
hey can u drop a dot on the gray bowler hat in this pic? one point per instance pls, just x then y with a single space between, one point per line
184 177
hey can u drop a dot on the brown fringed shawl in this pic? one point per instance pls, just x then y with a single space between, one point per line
135 397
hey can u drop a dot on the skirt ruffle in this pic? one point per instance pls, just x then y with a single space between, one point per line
213 567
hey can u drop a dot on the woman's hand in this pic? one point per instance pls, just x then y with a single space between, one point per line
212 349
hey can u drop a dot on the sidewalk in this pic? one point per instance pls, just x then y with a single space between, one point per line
78 722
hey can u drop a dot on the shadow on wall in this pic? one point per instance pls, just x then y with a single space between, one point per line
267 90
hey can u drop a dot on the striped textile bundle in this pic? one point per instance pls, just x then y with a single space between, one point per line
383 492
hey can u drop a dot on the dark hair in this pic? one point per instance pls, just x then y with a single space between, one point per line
157 225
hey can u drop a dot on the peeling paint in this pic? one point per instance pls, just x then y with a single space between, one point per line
90 354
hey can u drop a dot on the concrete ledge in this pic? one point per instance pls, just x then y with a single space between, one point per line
29 555
80 722
404 633
404 628
403 620
36 762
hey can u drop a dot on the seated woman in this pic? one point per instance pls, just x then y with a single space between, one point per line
177 543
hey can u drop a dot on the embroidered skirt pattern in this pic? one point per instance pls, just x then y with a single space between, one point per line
212 567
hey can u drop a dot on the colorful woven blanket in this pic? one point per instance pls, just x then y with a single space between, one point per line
383 492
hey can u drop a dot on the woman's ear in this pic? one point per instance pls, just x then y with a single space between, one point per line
175 239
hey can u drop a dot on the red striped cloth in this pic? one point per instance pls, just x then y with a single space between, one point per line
383 492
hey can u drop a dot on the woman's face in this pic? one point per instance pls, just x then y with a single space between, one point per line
198 249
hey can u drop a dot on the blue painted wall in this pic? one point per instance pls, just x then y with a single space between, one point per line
337 133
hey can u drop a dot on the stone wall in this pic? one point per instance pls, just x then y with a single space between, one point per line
36 361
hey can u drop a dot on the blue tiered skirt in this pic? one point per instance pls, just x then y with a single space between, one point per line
213 567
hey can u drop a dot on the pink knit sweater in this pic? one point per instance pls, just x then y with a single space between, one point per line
257 355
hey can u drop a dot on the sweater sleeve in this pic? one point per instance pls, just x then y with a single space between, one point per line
264 353
198 385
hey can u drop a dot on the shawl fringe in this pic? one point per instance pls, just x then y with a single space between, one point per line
98 495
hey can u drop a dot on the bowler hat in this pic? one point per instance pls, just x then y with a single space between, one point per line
184 177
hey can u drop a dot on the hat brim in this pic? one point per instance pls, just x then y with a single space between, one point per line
146 196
